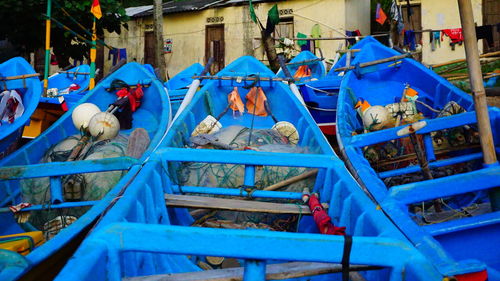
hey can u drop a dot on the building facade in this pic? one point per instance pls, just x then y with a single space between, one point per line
195 30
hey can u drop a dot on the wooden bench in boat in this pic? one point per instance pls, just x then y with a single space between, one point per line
192 201
279 271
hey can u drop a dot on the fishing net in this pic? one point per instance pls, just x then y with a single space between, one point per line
77 187
232 176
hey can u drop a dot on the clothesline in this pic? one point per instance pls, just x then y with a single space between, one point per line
331 38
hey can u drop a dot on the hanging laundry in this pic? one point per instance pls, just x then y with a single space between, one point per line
11 106
409 40
306 46
380 16
455 35
435 39
301 42
397 16
352 34
485 32
316 33
118 54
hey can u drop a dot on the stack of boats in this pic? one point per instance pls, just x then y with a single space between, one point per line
243 185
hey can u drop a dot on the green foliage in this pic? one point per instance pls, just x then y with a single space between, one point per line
23 24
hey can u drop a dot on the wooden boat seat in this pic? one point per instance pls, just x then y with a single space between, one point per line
192 201
278 271
22 243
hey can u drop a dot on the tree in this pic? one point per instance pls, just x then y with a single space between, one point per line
23 25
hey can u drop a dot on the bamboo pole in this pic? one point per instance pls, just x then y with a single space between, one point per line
292 180
493 54
240 78
476 80
47 49
17 77
93 54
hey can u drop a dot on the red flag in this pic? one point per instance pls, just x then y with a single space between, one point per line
381 16
95 9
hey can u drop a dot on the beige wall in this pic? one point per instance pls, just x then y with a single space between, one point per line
357 15
444 14
132 39
187 30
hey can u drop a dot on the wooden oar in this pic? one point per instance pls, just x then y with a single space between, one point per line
138 143
192 90
420 154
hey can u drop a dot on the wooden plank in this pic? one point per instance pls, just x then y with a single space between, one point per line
273 272
191 201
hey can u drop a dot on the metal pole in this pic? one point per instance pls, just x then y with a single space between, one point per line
93 53
47 48
476 81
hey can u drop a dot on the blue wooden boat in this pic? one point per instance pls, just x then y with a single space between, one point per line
141 236
459 244
304 67
29 89
321 95
20 167
79 75
178 86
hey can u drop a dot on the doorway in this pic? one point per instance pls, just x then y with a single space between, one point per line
149 48
214 46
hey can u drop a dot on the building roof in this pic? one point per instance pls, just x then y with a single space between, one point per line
132 11
171 7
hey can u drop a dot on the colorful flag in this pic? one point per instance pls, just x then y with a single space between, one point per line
380 16
273 18
95 9
253 16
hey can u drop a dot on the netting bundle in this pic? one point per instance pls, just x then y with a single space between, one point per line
232 176
77 187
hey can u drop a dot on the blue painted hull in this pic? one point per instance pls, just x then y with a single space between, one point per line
455 247
153 115
127 241
321 95
62 81
178 86
29 90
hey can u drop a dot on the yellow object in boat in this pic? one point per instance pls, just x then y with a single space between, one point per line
22 243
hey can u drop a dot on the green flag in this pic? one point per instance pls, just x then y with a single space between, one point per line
253 16
273 18
273 15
